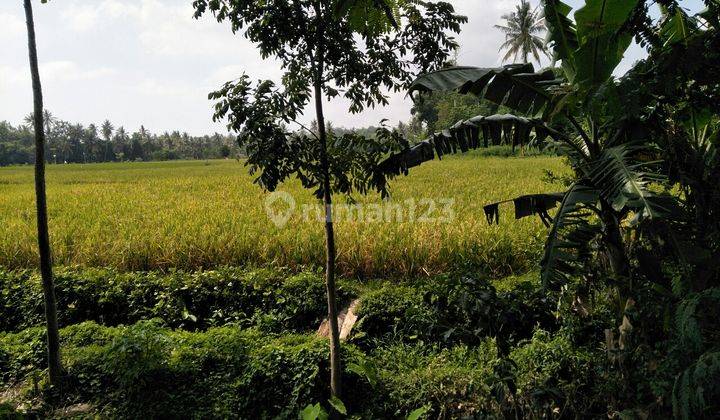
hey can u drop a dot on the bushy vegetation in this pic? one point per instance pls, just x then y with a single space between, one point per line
453 344
271 299
192 215
148 370
453 310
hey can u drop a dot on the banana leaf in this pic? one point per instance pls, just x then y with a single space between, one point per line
568 244
474 133
515 86
602 43
561 36
526 205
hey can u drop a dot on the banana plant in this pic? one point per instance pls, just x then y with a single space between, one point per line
615 163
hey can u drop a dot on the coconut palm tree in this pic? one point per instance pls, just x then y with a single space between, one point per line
523 30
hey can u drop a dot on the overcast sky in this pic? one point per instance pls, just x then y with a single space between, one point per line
149 62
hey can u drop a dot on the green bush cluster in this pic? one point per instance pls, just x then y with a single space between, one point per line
454 309
272 299
454 344
556 378
148 371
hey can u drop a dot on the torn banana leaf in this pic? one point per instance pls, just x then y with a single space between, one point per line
526 205
474 133
516 86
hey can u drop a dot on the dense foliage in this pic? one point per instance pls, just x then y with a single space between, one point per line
275 300
635 228
435 333
74 143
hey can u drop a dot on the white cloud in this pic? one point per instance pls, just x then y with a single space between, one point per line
65 71
11 27
83 17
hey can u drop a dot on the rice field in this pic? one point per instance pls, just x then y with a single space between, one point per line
196 214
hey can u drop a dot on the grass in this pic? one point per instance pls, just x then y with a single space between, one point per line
196 214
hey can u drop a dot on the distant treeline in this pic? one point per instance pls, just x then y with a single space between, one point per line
75 143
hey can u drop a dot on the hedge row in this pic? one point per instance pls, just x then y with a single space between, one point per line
147 371
274 299
444 309
454 310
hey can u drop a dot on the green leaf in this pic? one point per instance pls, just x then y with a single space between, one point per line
362 8
365 368
561 35
623 181
516 86
602 46
597 59
602 17
186 315
313 412
567 246
677 28
338 405
417 413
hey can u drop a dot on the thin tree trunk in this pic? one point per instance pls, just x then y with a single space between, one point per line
53 336
318 64
335 368
614 246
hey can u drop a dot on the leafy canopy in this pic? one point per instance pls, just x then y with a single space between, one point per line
324 45
607 139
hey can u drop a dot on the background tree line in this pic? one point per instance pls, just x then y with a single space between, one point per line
75 143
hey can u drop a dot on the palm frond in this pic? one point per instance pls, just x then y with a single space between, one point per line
693 386
568 246
516 86
623 181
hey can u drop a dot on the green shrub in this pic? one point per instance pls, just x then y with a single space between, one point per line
274 299
394 311
556 378
147 371
450 382
21 353
453 310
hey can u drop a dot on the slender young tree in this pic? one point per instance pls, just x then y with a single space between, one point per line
327 48
53 335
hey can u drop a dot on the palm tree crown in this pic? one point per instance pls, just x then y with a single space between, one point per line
522 30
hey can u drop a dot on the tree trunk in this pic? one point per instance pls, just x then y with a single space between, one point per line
614 246
53 336
335 368
318 67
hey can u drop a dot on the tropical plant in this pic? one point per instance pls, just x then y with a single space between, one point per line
635 142
53 334
327 49
609 156
523 29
